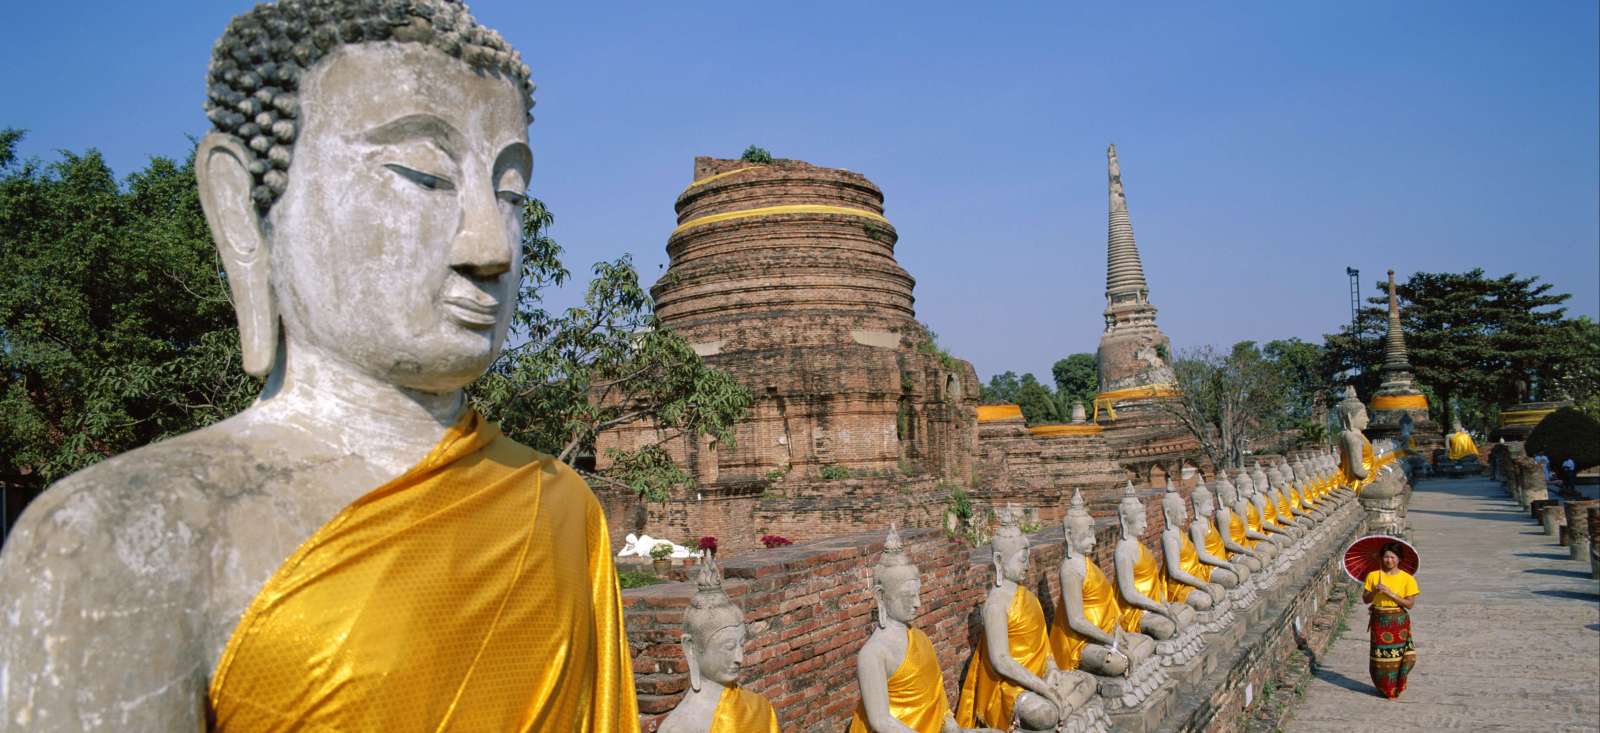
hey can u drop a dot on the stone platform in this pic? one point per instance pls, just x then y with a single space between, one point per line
1507 628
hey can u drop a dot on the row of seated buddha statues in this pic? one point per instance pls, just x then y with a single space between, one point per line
1116 646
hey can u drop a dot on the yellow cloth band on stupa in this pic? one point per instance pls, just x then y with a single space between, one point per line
703 181
1046 431
777 211
1400 402
996 413
1108 400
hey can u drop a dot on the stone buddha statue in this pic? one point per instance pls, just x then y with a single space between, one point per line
1084 634
902 688
1141 583
357 550
1210 550
1288 497
1270 484
1459 443
713 647
1305 484
1357 462
1188 579
1270 523
1012 677
1238 539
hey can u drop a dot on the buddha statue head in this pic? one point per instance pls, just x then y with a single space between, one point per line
1010 546
1079 526
1130 512
713 631
1174 509
1352 414
1204 502
1259 477
1226 492
363 185
896 584
1079 415
1455 425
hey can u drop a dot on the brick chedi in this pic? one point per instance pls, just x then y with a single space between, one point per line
1133 358
1040 467
1398 400
783 275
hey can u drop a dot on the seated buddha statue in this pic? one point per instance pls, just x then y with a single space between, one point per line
1210 550
713 647
1141 582
1084 633
902 688
358 549
1305 484
1012 677
1271 486
1459 444
1188 580
1238 540
1282 485
1357 461
1269 523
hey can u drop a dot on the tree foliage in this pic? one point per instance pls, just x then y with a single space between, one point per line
1077 381
1037 402
756 154
1476 340
1231 404
1001 390
116 327
604 364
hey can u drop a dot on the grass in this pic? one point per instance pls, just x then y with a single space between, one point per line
638 578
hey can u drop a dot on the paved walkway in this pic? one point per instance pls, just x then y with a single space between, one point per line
1507 628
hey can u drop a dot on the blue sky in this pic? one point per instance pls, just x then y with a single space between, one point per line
1265 146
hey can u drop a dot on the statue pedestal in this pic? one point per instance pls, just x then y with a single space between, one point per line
1139 702
1090 717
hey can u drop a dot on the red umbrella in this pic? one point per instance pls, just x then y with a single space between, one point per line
1362 556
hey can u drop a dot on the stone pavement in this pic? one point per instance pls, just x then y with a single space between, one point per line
1507 629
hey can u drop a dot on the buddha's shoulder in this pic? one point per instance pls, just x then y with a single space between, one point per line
559 484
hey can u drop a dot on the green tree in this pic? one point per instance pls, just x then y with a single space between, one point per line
1300 366
601 365
116 329
1231 404
1002 389
756 154
1037 402
1077 381
1476 340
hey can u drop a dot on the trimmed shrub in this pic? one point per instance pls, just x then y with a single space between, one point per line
1563 433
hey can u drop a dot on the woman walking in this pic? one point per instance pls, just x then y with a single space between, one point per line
1391 592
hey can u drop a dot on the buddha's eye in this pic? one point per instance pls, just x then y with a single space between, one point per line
512 197
426 180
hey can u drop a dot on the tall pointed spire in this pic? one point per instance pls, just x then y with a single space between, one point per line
1394 346
1124 271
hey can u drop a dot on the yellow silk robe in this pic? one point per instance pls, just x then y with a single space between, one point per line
1256 520
475 592
1285 516
1236 532
916 690
1151 583
1367 461
1461 446
986 696
742 711
1214 546
1189 560
1099 607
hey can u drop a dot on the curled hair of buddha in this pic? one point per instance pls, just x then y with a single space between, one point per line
1008 537
1350 405
1173 502
1130 503
253 82
1077 513
710 609
893 565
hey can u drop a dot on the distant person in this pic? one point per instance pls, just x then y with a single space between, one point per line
1569 474
1544 464
1390 593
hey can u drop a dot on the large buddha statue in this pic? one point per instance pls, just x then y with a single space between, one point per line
1357 462
1142 590
1188 579
1210 550
1460 443
902 688
1240 542
713 647
357 550
1084 634
1012 677
1379 485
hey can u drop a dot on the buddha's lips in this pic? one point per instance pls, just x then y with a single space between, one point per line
472 313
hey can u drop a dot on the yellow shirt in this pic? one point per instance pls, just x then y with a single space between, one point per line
985 695
1099 608
742 711
475 592
916 690
1401 582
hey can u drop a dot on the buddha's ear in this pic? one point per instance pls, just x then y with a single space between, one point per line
693 661
222 169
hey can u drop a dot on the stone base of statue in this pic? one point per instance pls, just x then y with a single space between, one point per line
1090 717
1139 702
1243 596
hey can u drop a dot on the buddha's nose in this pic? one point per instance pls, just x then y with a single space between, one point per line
482 248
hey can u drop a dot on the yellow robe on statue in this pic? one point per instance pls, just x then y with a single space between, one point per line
1099 608
1189 560
1461 446
987 697
1367 461
1257 521
916 690
1236 533
1285 516
742 711
1151 583
1214 546
475 592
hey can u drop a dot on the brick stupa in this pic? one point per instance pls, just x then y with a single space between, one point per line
1398 400
1133 360
783 275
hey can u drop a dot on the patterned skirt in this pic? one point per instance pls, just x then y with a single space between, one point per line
1392 653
